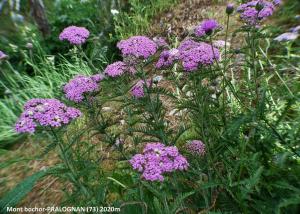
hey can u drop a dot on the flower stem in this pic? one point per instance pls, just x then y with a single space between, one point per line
68 164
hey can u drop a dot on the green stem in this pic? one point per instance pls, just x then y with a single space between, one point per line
224 72
154 113
68 164
88 60
251 39
226 36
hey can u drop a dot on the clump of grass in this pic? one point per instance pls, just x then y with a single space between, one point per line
49 73
138 19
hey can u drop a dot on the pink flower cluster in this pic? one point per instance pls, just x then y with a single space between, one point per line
195 54
253 12
196 147
137 91
77 87
158 159
45 112
75 35
167 58
138 46
115 69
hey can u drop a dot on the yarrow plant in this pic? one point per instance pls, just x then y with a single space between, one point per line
254 12
157 160
78 87
138 46
45 112
167 58
115 69
196 54
196 147
75 35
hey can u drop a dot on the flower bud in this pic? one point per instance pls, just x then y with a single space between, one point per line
230 8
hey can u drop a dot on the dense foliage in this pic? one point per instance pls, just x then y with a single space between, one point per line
201 125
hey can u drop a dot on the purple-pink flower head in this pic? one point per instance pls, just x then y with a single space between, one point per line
115 69
249 15
45 112
209 25
196 54
137 46
137 91
157 160
2 55
254 11
187 44
196 147
167 58
75 35
206 27
76 88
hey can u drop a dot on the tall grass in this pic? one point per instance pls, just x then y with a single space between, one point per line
49 73
138 18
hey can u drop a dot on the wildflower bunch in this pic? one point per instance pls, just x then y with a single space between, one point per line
158 159
75 35
138 46
167 58
76 88
196 147
195 54
255 11
45 112
115 69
